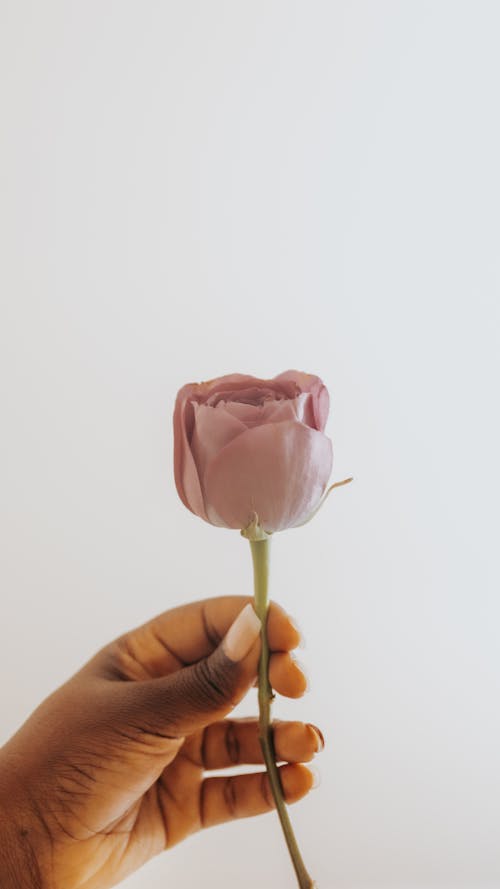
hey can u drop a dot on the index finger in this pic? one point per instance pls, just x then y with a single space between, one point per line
188 633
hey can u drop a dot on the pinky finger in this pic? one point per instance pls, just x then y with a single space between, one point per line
241 796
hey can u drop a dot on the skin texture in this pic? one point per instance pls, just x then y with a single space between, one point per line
112 768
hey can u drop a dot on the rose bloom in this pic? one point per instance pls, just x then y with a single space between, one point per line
245 447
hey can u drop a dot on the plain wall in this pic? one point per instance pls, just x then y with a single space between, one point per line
196 188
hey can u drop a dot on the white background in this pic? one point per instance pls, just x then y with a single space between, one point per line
196 188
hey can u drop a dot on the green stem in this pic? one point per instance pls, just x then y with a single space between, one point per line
260 557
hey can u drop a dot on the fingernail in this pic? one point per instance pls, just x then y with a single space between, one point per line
295 624
320 741
316 777
302 669
241 634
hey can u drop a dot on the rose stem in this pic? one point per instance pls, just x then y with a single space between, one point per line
260 557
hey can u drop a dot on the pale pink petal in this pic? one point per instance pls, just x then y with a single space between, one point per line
299 408
235 386
314 385
249 414
214 427
279 471
272 410
251 395
186 475
206 391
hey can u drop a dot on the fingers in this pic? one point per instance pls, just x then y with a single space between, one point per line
193 664
190 697
241 796
282 632
233 742
286 675
184 635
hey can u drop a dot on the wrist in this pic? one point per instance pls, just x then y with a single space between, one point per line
19 864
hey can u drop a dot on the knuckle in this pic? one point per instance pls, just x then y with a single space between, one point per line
232 743
231 802
120 661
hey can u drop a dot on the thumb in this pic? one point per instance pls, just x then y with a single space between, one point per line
194 696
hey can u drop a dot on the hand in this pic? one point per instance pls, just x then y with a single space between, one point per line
109 770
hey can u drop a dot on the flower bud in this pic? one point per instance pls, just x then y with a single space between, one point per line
246 448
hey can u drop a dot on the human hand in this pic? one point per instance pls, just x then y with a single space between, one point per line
110 769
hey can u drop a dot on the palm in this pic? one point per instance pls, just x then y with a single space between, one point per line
126 828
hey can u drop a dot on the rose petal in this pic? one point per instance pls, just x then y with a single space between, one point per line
235 385
299 408
303 409
252 395
314 385
279 471
187 481
249 414
271 411
214 427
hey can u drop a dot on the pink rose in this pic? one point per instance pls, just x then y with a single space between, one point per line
244 446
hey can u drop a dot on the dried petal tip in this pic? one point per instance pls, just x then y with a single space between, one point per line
345 481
